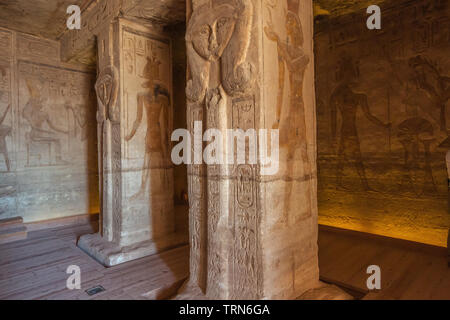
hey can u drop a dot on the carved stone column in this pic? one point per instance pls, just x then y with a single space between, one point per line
253 235
135 112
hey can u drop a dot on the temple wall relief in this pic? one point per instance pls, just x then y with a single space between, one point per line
383 122
147 101
48 164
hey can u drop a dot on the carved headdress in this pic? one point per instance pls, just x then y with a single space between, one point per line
34 88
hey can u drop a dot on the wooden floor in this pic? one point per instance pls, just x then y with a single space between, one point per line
36 268
408 270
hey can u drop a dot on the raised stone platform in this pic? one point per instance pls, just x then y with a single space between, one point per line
110 254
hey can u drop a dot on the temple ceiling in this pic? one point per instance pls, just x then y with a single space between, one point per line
47 18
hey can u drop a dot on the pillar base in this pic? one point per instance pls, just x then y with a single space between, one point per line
190 291
110 254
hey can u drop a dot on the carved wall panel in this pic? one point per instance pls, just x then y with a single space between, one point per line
245 264
6 44
289 220
36 49
95 16
53 109
148 124
387 146
47 162
8 183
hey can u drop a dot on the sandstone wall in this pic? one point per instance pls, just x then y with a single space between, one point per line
388 180
48 157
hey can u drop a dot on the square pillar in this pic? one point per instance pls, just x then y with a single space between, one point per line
253 235
135 116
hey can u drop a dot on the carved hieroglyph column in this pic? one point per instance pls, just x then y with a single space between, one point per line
250 66
135 112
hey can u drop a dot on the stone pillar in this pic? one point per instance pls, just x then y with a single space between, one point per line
253 235
135 116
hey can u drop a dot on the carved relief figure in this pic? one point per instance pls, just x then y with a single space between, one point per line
347 102
108 131
5 131
435 85
80 120
219 32
36 116
156 103
217 39
292 57
413 134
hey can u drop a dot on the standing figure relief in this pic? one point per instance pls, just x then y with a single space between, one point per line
155 100
219 32
436 86
5 131
347 102
291 56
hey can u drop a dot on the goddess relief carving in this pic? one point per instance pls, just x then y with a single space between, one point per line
107 90
108 116
219 32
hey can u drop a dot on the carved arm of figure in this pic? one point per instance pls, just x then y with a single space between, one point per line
199 70
271 35
362 98
137 122
55 128
5 114
77 118
298 62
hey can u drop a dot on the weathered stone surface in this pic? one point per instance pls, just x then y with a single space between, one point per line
47 159
43 18
134 120
253 236
383 121
165 12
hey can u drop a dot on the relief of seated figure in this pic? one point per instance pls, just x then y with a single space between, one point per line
37 118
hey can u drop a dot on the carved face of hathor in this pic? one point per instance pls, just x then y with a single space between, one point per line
210 30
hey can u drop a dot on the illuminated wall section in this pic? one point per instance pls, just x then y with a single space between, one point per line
383 115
